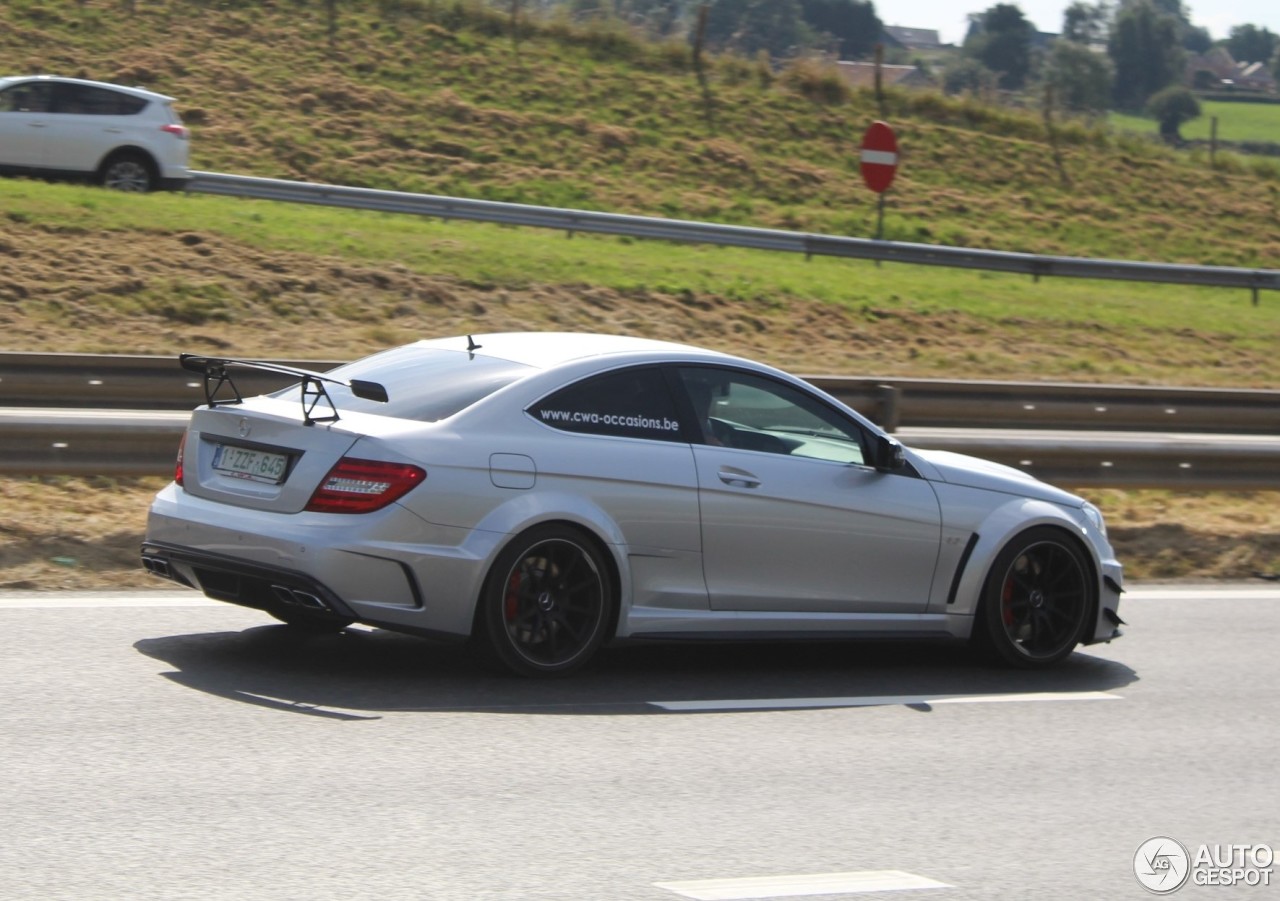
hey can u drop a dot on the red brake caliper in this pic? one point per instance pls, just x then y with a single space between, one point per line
512 600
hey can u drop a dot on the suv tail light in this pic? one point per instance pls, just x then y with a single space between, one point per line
362 486
177 466
178 130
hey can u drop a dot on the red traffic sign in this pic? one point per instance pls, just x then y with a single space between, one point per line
879 159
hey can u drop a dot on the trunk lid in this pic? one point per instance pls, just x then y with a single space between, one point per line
260 454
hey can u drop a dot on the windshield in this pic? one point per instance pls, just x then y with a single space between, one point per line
423 384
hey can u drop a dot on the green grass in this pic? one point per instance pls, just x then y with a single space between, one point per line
1237 122
438 98
1126 320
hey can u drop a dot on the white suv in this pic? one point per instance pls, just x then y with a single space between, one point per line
125 138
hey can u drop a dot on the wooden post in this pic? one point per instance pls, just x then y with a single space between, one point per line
880 81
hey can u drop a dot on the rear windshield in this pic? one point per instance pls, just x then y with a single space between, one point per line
422 384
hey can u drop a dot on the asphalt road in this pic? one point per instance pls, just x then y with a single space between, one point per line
157 746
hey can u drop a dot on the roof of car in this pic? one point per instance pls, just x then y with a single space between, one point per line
546 349
137 92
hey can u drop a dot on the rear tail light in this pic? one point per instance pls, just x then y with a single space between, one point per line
177 466
177 130
362 486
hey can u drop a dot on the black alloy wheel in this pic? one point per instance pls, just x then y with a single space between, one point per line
547 603
1037 600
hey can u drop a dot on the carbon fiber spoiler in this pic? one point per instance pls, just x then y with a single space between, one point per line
218 382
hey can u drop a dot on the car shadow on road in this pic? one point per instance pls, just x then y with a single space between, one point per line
360 674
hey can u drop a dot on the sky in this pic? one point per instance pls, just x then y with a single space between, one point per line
950 18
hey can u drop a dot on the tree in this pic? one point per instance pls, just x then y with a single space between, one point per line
853 23
774 26
964 74
1000 39
1145 50
1081 79
1171 107
1196 39
1086 23
1251 44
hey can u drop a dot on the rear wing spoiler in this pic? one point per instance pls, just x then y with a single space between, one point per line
220 389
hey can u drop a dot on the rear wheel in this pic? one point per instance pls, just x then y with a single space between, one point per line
127 172
547 603
1037 600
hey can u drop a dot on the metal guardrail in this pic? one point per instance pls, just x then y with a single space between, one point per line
138 443
730 235
157 383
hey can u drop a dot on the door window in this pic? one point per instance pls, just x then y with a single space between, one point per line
83 99
27 98
749 412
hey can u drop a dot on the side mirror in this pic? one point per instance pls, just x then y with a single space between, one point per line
889 456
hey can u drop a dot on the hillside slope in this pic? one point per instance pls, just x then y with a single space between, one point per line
436 97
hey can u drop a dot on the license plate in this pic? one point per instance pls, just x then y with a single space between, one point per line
255 465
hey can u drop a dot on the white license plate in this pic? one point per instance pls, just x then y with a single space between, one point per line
255 465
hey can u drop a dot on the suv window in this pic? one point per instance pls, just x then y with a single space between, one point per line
750 412
629 403
27 97
83 99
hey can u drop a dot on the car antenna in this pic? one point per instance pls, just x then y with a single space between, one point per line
472 347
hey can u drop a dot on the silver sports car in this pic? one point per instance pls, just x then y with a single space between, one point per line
544 494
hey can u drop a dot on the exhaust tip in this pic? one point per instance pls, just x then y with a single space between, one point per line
157 566
294 597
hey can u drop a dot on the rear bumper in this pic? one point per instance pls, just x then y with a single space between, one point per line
389 569
237 582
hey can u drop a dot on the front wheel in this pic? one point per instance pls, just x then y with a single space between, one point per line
1037 600
547 603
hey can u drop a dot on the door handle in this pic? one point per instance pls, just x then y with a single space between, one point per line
738 478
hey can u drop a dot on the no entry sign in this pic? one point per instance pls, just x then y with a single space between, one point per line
879 160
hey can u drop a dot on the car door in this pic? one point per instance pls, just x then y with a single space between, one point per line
793 517
613 445
24 122
88 122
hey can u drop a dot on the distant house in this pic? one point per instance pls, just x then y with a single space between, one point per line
1224 73
863 75
1255 77
911 38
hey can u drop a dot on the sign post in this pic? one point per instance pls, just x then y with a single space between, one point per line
879 164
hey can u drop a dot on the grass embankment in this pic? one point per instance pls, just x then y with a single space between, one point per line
1237 122
448 103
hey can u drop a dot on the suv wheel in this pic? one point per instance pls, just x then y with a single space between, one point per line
127 172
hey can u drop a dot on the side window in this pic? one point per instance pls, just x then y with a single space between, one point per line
26 98
750 412
83 99
631 403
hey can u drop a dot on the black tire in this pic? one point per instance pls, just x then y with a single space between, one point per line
309 622
1037 600
128 171
547 603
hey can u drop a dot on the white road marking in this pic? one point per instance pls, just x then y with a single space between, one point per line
882 701
799 886
38 600
1202 592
